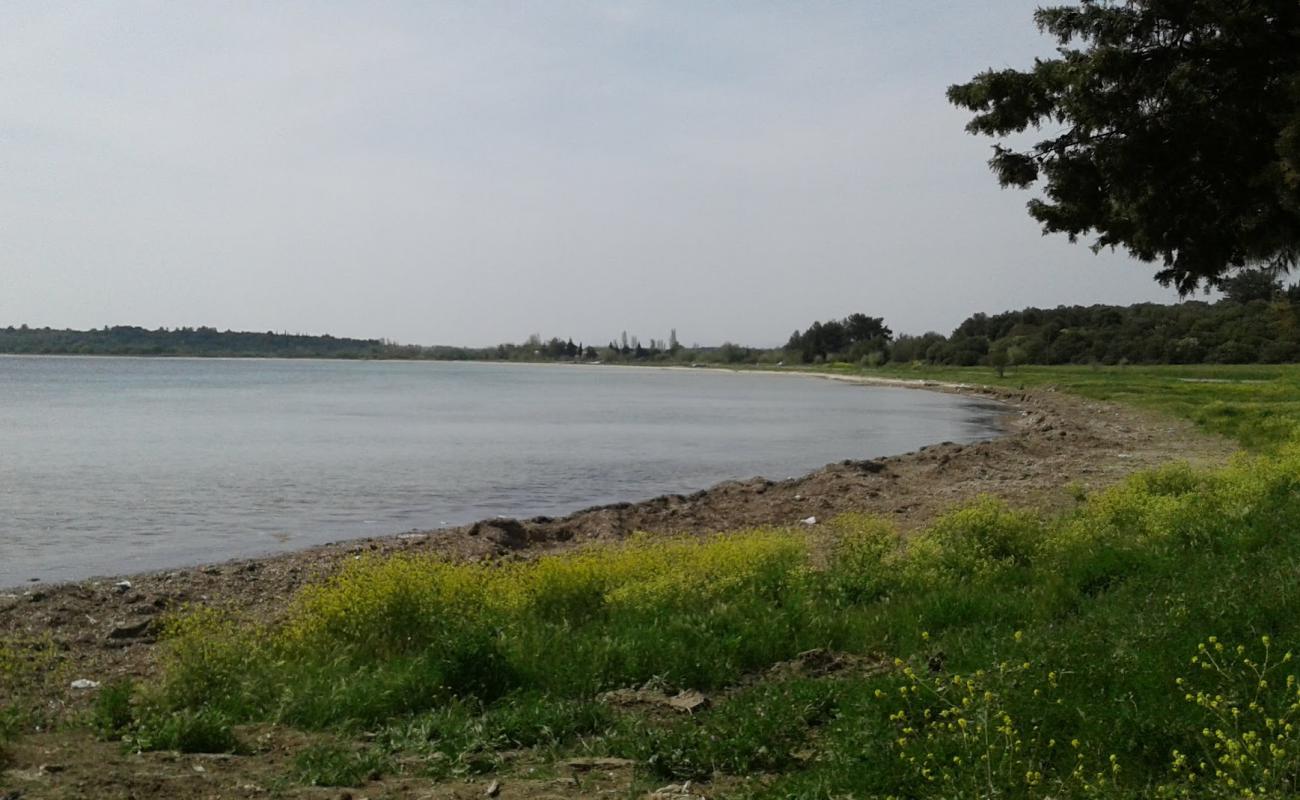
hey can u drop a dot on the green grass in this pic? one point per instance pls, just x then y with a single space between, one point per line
1136 646
338 765
1257 405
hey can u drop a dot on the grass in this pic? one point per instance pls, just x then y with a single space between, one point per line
1256 405
408 634
31 669
338 765
1137 646
1033 656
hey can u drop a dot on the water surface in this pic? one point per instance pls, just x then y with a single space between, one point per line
112 465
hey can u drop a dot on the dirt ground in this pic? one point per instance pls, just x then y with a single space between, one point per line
1054 444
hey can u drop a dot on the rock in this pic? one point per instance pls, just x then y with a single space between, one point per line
674 791
818 661
50 769
508 533
35 597
131 631
937 661
122 587
84 683
866 467
689 701
493 789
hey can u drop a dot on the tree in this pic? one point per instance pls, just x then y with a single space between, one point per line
861 328
1179 132
1251 284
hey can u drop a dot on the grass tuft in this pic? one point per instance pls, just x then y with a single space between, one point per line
335 765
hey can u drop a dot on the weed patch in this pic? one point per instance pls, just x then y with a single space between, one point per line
1037 656
336 765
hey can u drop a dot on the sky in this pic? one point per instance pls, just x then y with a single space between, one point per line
471 173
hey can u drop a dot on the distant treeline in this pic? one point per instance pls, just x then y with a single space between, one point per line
1257 321
129 340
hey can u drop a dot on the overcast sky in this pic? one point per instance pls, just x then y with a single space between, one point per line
469 173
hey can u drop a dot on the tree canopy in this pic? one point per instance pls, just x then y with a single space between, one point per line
854 337
1175 131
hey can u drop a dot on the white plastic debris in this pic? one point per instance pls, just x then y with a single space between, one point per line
85 683
809 520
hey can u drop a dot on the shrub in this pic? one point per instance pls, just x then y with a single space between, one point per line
186 731
983 538
865 555
1248 704
957 736
111 714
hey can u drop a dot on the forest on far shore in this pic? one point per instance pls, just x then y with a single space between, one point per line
1256 321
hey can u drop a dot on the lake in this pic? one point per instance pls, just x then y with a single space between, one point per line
113 465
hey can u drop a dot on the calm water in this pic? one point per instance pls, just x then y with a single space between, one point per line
111 465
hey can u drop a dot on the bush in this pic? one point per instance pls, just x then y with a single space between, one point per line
1249 708
111 715
865 555
184 730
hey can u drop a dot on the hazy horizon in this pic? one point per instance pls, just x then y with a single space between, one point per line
464 174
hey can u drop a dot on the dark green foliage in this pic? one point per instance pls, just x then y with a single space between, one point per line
1226 332
111 715
199 730
12 722
1176 131
853 338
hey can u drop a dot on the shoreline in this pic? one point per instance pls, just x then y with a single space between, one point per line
995 419
544 530
1055 445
